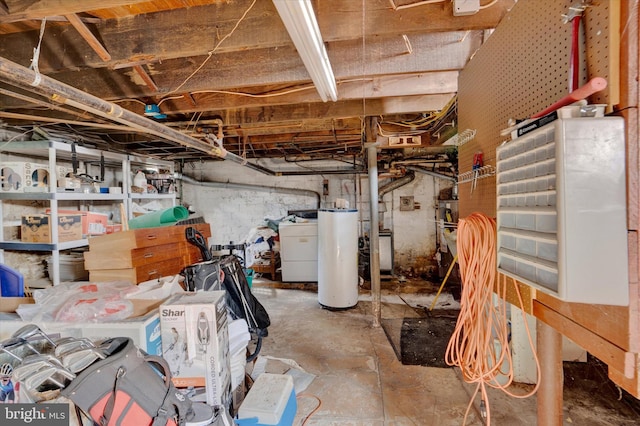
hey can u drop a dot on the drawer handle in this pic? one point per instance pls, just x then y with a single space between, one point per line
148 255
152 237
154 272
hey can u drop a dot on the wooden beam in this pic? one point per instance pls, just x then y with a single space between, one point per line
406 93
631 385
341 20
146 78
263 115
604 350
280 66
88 36
21 10
131 37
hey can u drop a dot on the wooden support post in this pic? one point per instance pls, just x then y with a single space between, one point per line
549 347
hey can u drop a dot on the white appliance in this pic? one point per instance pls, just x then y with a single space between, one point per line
386 250
299 251
338 258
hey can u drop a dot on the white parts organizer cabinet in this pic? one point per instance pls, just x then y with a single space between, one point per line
562 210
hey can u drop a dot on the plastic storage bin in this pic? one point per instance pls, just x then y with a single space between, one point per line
270 401
11 282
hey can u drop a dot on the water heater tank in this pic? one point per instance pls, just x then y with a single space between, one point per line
338 258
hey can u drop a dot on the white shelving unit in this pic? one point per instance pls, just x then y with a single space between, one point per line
118 164
135 163
55 151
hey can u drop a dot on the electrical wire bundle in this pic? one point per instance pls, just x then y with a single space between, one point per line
480 343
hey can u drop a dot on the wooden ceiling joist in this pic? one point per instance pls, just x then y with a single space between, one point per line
88 36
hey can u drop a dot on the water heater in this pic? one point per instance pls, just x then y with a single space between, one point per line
338 258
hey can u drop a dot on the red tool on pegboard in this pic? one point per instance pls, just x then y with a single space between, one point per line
477 164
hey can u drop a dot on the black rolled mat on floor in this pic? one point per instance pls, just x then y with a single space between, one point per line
421 341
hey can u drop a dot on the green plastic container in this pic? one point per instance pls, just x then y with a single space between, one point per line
248 273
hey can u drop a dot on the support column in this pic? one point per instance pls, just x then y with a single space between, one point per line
549 349
374 238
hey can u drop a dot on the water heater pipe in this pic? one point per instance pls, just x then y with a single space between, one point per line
250 187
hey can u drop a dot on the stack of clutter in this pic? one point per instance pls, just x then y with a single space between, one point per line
110 381
239 337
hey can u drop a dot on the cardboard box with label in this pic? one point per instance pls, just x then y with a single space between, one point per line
24 176
35 228
93 223
195 341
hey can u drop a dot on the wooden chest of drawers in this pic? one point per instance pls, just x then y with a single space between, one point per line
140 255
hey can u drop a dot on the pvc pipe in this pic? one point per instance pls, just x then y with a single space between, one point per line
251 187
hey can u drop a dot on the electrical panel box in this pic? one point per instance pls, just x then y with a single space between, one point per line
561 207
465 7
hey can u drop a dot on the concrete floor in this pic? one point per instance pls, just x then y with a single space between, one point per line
360 381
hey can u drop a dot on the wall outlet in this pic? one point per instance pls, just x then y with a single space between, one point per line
465 7
404 141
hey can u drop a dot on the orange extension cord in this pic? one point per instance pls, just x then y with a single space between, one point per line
482 320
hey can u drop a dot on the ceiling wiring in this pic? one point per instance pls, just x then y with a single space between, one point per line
129 100
211 52
491 3
423 2
407 6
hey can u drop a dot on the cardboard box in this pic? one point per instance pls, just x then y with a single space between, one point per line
143 327
93 223
195 339
24 176
114 227
143 330
35 228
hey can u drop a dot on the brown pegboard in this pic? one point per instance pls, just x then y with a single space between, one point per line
527 293
522 68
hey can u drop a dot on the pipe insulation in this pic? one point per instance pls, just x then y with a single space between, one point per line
62 93
251 187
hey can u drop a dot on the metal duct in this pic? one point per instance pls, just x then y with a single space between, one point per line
395 184
431 173
250 187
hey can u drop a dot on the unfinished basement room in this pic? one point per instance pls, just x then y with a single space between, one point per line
319 213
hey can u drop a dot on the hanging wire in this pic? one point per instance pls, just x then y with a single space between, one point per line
212 51
36 55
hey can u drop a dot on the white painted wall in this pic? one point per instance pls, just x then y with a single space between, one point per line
232 213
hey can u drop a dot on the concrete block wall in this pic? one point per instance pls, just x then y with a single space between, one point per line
233 212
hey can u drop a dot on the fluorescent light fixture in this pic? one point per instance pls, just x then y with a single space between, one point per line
300 20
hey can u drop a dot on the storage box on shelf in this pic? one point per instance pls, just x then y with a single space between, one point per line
35 188
139 255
